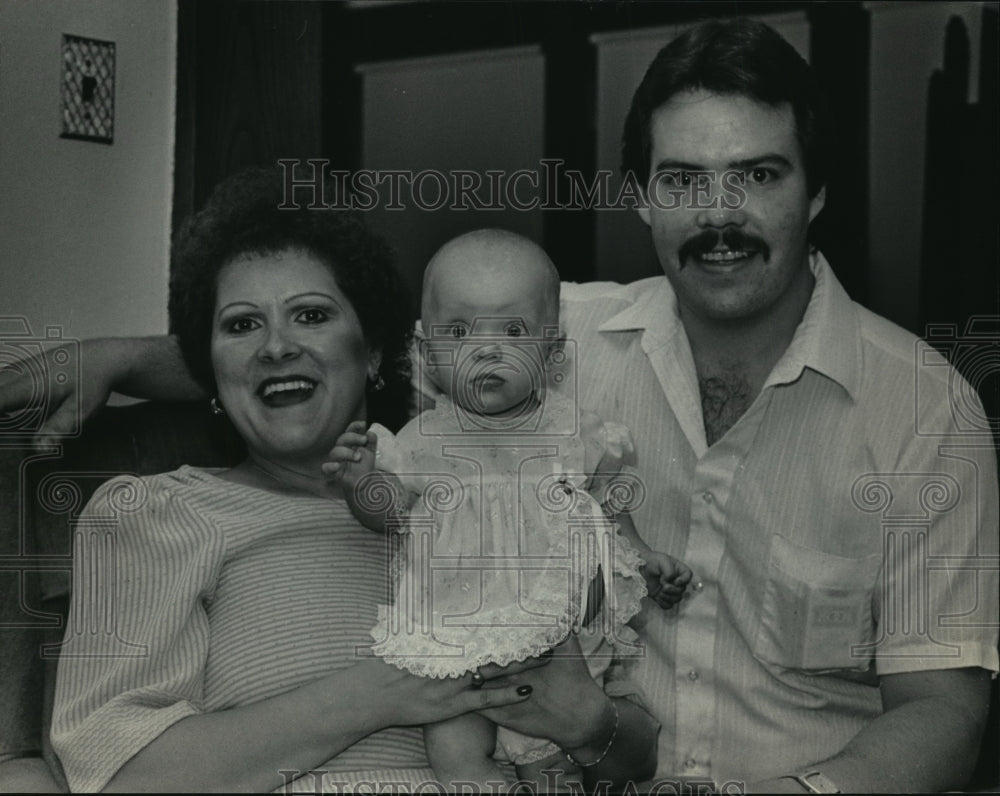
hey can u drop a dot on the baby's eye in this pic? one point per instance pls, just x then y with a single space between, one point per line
514 330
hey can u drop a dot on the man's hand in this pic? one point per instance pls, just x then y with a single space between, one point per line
666 578
926 741
47 393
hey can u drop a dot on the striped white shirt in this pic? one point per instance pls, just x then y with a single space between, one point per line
843 528
225 595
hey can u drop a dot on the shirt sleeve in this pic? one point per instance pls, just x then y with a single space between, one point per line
388 453
609 456
132 662
400 453
937 600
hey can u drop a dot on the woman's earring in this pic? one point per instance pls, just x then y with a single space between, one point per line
377 383
216 407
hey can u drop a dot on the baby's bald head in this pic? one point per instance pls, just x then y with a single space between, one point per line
489 260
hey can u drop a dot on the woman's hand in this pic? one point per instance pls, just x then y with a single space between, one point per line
568 707
300 729
394 697
566 704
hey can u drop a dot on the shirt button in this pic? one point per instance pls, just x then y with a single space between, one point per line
698 586
690 763
706 496
692 675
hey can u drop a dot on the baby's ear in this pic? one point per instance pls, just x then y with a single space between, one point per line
554 345
426 362
420 344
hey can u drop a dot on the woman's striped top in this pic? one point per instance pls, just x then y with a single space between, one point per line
225 595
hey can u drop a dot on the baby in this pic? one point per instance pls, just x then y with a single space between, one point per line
511 540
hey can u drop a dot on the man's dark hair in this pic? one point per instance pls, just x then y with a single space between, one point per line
242 217
741 57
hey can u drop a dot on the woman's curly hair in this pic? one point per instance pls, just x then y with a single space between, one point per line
247 214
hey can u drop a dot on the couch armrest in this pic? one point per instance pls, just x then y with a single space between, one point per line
41 493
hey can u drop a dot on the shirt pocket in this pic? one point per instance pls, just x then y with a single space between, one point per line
817 609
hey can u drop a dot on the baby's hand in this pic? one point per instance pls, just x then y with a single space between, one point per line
353 455
666 578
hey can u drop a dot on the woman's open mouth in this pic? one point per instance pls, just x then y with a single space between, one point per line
286 391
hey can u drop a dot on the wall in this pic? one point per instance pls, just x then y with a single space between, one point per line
84 227
907 45
479 111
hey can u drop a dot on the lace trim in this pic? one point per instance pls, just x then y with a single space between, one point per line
630 588
534 755
428 656
499 634
452 651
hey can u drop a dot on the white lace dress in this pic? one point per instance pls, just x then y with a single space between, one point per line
504 543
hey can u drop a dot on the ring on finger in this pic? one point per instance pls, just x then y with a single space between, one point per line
477 680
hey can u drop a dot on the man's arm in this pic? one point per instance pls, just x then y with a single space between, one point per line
142 367
927 740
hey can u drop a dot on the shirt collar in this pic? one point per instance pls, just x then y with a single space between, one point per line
654 311
826 340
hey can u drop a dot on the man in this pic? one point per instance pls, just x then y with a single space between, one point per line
839 634
765 403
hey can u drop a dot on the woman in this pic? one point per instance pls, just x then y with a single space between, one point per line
244 598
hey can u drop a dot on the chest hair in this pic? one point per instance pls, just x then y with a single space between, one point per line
724 400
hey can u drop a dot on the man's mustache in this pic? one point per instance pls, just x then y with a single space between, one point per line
731 238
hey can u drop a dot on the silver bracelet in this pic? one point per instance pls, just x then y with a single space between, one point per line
607 748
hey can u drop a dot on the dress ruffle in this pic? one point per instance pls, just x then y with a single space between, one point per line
500 634
498 569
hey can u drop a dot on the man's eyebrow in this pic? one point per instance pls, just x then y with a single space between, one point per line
772 158
677 165
738 165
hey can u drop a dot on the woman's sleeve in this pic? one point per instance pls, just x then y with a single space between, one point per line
133 659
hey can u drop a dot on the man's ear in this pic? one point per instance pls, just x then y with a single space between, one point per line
817 203
643 208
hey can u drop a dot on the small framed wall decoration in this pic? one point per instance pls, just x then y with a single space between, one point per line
88 89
